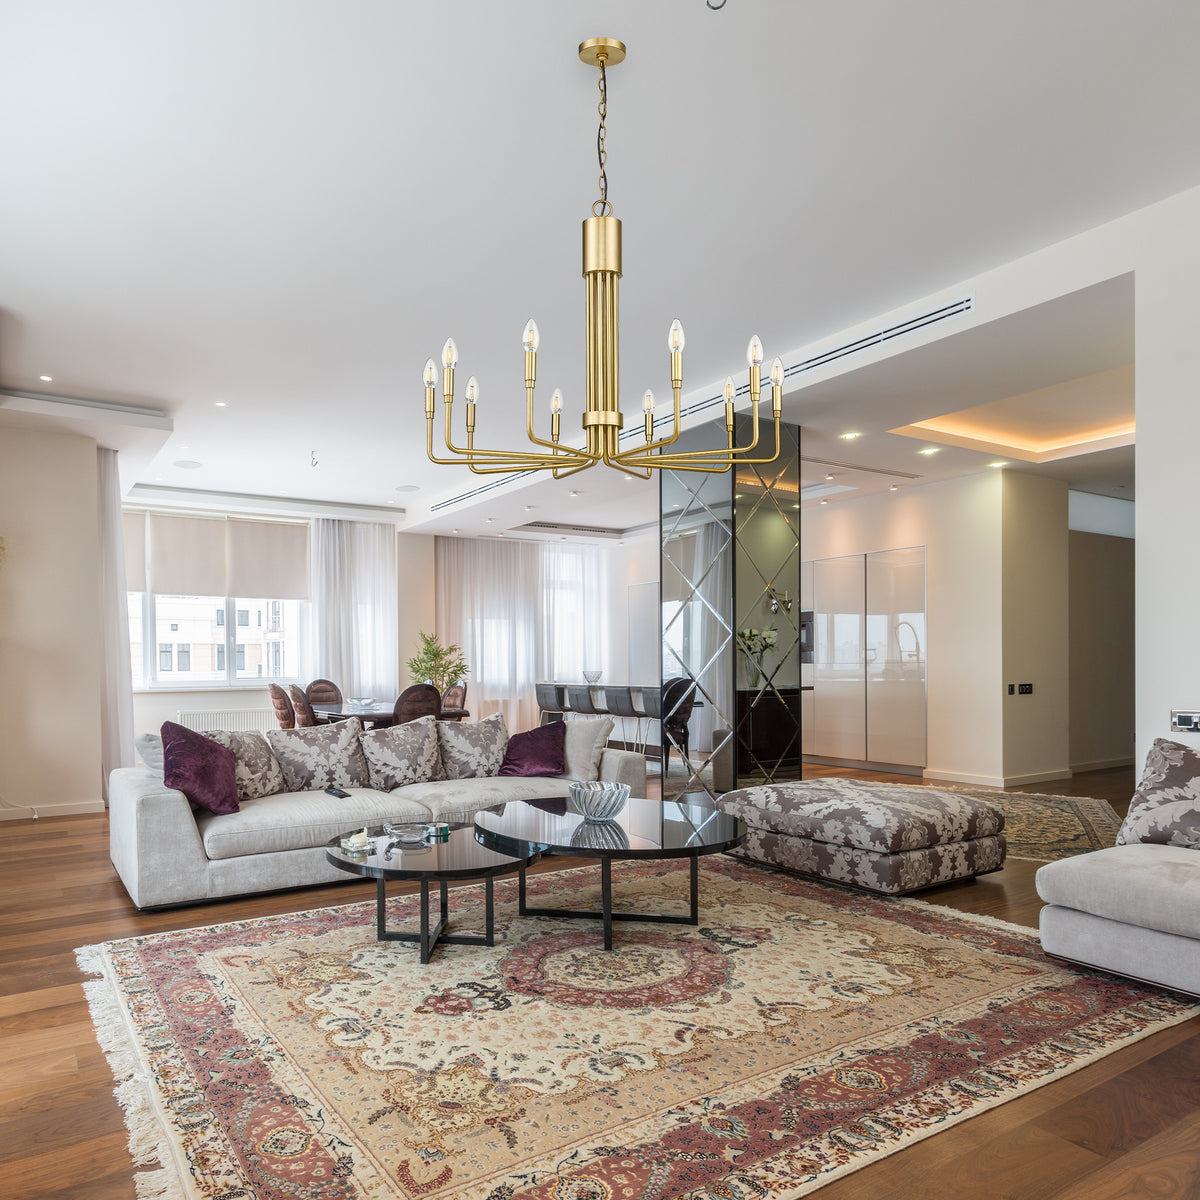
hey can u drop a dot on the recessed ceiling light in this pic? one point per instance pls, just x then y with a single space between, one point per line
490 520
849 437
222 404
46 378
628 478
894 488
283 491
824 501
738 496
529 508
188 464
408 487
185 447
998 464
456 531
674 505
620 543
829 477
562 539
573 495
929 450
499 535
158 479
795 506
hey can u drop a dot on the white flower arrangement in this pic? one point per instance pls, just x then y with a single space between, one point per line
756 642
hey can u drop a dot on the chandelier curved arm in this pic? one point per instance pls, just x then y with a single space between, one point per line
711 460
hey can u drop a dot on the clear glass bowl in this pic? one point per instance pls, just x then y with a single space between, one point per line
593 677
407 831
597 801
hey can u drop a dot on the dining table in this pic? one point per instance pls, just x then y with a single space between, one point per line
376 714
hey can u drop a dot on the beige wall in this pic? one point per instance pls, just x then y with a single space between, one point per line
1101 645
49 625
1034 628
959 524
416 606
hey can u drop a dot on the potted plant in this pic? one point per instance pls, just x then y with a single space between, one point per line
437 664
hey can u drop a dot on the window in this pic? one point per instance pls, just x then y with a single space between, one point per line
259 621
210 641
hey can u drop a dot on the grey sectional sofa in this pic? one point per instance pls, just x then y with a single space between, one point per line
168 854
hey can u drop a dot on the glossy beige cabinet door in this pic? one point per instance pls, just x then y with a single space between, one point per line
895 656
839 695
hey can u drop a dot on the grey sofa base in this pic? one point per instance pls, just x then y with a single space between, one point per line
1146 955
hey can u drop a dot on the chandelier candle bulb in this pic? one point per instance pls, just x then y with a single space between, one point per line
602 418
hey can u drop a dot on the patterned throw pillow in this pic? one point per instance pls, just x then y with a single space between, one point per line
321 756
257 769
1166 806
473 749
403 754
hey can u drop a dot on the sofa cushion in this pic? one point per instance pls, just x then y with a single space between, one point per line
536 752
402 754
300 820
583 746
1166 806
200 768
472 749
872 816
150 750
1150 886
256 768
461 799
321 756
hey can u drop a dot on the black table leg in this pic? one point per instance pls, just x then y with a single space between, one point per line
695 889
489 911
380 908
606 900
425 920
521 893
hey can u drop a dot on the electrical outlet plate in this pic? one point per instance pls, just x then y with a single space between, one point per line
1185 720
1025 689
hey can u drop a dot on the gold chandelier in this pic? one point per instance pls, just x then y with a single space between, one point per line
602 418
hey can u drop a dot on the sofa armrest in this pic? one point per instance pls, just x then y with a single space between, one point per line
153 840
624 766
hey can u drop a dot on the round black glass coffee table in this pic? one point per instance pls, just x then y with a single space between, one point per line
643 829
460 856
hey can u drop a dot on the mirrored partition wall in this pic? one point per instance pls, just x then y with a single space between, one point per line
730 562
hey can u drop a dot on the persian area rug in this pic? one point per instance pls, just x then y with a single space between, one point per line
1047 828
799 1033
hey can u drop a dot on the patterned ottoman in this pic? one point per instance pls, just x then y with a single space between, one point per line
881 837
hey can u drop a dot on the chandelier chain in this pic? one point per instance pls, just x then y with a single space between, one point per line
602 208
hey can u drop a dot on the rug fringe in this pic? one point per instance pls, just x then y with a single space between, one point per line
1029 931
149 1144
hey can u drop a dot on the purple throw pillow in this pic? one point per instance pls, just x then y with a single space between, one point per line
203 770
536 752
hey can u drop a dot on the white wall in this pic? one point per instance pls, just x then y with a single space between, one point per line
959 523
49 625
636 562
1100 514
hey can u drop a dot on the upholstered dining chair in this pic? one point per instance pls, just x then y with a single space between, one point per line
619 702
323 691
420 700
579 700
678 697
550 702
305 716
454 702
284 713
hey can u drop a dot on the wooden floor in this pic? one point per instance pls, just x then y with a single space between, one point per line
1126 1127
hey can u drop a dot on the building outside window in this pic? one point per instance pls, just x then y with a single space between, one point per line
165 657
243 616
183 656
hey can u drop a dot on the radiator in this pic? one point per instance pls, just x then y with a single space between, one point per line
261 719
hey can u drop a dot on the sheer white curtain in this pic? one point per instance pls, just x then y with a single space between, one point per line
487 602
354 586
522 612
116 697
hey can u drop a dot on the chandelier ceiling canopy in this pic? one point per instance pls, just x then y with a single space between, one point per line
602 418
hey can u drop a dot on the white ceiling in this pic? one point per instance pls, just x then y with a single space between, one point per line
288 205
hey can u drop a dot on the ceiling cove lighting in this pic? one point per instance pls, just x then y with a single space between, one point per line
998 464
929 450
602 416
849 437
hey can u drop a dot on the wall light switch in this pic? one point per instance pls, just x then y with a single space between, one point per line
1185 720
1024 689
1012 689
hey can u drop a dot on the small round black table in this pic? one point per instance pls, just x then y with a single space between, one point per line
684 828
461 856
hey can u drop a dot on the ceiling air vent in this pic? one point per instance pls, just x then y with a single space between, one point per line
596 531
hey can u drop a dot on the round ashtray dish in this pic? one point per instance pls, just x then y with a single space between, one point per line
407 831
352 847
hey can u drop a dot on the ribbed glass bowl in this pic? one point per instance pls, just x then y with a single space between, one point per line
597 801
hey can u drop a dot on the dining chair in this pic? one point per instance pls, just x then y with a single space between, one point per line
454 702
305 717
420 700
579 700
323 691
550 702
619 702
678 697
285 714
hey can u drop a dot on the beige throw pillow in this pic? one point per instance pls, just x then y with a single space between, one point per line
321 756
584 745
403 754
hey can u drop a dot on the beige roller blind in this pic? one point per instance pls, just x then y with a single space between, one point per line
133 529
267 559
187 556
